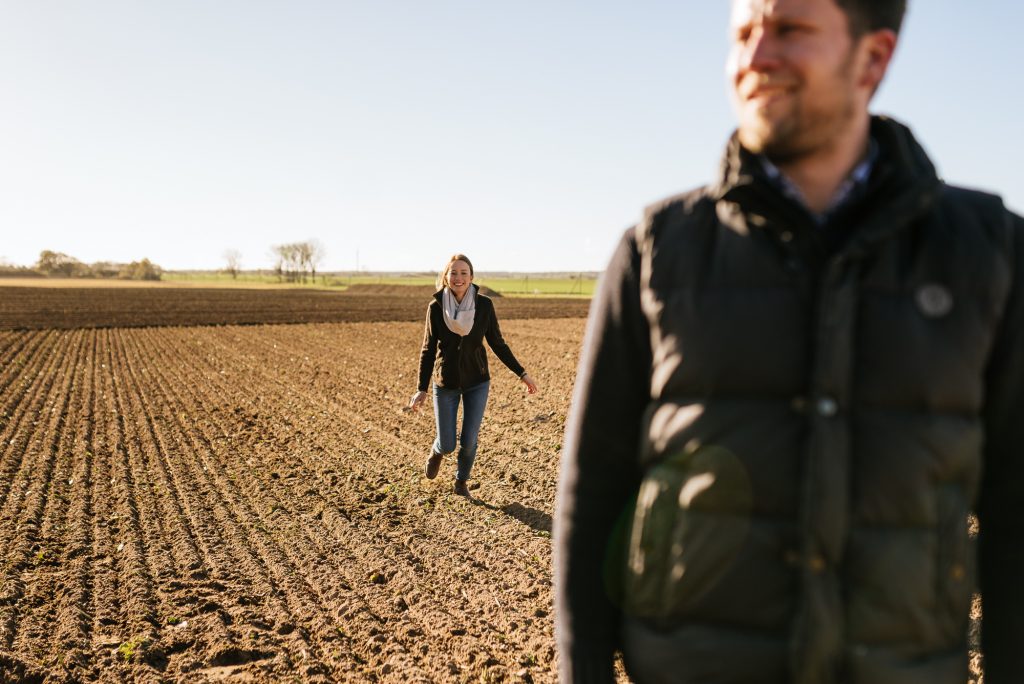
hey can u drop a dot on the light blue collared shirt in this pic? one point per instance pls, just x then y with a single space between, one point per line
857 179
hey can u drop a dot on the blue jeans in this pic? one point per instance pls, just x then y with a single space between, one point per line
446 410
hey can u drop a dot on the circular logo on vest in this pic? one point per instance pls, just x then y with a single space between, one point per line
934 300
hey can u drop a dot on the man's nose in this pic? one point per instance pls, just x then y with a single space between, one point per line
759 52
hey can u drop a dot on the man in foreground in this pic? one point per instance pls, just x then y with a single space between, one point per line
796 384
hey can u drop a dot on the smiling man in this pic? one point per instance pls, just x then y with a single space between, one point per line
797 383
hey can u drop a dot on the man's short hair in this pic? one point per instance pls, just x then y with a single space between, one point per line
873 15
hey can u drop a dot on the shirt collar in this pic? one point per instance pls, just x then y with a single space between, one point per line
846 191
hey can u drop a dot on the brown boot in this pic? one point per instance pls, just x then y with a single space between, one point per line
461 487
433 465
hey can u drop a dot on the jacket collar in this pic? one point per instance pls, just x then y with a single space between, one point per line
903 185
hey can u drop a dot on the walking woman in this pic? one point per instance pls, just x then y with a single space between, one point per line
459 319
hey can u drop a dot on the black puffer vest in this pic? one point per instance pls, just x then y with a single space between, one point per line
813 438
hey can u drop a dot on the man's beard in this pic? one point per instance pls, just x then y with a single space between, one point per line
808 131
809 127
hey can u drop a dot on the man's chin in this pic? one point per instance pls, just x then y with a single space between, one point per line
755 138
771 142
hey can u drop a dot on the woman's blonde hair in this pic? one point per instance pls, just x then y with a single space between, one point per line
442 277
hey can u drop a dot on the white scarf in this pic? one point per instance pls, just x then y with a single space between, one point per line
458 316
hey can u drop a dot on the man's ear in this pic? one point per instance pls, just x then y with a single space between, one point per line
877 48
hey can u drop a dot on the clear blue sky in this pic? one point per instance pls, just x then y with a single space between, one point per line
526 134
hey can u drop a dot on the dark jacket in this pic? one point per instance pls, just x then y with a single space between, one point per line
460 362
778 432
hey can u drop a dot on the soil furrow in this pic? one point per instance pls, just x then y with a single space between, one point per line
305 534
35 384
106 628
199 598
25 511
254 500
53 612
11 342
137 551
75 604
192 540
20 353
349 409
231 514
278 503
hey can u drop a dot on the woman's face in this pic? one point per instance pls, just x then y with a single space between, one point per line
459 278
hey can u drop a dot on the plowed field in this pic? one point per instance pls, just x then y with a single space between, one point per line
70 307
247 504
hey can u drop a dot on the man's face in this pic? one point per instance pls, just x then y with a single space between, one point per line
797 76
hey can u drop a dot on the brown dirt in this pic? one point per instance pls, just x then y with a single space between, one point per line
247 504
27 308
424 292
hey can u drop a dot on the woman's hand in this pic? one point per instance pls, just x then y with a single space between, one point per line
531 386
417 400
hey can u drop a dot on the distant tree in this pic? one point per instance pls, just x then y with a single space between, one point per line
105 269
297 261
233 261
9 269
286 263
303 254
52 262
278 263
58 264
315 254
296 271
140 270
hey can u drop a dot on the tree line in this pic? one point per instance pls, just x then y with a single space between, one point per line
294 262
60 265
297 260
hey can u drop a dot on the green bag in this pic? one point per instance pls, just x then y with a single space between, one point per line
690 522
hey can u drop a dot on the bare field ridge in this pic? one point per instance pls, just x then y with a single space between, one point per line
65 308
